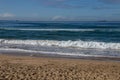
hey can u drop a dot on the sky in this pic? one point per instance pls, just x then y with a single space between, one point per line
60 10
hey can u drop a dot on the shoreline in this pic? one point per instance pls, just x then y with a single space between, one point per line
48 68
40 55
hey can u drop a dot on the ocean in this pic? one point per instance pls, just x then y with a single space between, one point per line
67 38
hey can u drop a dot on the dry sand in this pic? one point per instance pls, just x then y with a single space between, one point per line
31 68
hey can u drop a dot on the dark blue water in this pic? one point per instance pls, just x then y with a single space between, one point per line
62 38
86 31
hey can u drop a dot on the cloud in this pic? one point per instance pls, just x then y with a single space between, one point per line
102 7
111 1
74 4
6 15
60 4
108 4
116 14
58 18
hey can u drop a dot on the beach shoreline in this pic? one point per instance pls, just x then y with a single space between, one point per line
43 55
48 68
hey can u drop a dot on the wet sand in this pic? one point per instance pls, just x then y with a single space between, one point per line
41 68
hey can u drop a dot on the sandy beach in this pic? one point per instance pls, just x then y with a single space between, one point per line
40 68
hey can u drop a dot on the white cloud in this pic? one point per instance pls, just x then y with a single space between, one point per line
5 15
110 1
58 18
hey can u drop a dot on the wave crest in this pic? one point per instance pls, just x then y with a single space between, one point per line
72 30
72 44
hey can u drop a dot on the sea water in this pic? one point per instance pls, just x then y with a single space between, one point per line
98 39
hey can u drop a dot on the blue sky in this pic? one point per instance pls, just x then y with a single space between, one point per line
60 10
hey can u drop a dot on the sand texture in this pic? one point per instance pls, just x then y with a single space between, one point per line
30 68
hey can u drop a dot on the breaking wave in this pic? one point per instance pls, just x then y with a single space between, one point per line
22 29
72 44
72 30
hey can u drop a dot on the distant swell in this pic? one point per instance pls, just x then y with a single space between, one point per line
72 44
77 30
22 29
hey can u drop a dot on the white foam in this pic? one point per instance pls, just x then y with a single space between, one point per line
10 50
25 29
75 30
73 44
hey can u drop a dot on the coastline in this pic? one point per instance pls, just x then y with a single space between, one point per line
48 55
41 68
